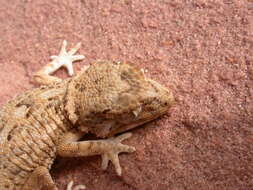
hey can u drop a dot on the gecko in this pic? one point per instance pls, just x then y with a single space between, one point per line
106 99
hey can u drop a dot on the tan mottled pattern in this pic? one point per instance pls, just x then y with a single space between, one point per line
111 95
31 125
105 99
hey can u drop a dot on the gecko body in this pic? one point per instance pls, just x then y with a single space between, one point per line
105 99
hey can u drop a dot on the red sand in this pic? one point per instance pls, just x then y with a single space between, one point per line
202 50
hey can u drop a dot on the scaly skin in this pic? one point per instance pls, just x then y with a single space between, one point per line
31 125
104 99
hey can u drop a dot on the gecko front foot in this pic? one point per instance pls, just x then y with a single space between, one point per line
65 58
112 147
112 151
109 149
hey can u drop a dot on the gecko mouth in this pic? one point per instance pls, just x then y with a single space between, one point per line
137 123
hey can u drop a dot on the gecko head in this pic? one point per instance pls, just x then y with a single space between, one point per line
149 102
117 98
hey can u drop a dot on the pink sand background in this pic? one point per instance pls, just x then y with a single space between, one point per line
202 50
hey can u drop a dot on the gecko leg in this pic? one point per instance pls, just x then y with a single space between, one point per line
39 179
64 59
109 149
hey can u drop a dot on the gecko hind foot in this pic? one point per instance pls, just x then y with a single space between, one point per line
115 149
78 187
64 59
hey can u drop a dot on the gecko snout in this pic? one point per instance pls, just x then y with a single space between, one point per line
163 94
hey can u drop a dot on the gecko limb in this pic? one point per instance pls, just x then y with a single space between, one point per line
78 187
109 149
64 59
40 178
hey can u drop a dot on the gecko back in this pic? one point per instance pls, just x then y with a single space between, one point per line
30 126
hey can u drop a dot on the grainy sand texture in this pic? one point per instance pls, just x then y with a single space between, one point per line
200 49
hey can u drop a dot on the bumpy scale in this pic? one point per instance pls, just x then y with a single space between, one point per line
105 99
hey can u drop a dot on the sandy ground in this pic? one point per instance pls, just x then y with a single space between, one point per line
202 50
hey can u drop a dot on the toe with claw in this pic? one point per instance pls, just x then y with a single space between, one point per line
78 187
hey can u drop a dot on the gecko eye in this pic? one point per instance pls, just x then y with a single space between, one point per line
9 137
